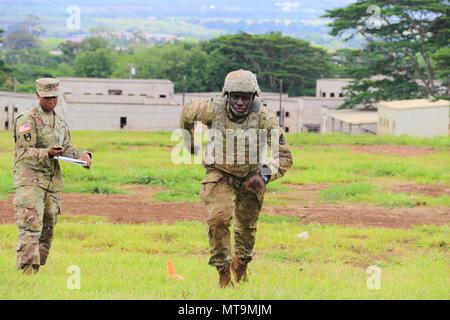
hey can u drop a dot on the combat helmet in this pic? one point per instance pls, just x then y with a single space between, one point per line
241 81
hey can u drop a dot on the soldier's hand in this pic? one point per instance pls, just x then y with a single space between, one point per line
256 184
87 158
55 152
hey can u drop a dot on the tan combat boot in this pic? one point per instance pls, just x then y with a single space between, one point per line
30 269
224 276
239 269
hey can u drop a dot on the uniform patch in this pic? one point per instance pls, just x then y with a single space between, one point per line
282 139
25 128
27 137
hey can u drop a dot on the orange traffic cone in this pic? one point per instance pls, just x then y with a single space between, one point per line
172 273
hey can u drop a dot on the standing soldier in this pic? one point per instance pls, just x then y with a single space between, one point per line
231 189
40 135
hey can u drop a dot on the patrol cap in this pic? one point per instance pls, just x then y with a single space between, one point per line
241 81
47 87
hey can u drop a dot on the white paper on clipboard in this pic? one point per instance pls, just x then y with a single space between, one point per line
71 160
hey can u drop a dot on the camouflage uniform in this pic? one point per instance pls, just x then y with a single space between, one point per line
38 181
223 189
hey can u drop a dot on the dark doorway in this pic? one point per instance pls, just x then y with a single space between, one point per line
123 122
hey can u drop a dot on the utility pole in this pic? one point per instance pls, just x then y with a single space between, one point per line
281 121
184 91
132 70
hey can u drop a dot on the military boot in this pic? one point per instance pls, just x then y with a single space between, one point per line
224 276
30 269
239 269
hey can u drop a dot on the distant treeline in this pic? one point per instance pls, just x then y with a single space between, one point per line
192 66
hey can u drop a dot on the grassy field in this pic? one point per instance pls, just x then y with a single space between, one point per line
121 261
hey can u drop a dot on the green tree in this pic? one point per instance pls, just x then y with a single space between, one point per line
25 35
98 63
272 57
182 62
402 37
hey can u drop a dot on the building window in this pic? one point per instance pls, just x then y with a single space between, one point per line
278 113
16 110
286 129
324 94
87 93
6 109
332 95
123 122
115 92
341 95
162 96
6 125
287 114
143 95
99 94
131 94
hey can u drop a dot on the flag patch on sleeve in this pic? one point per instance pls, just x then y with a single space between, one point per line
25 128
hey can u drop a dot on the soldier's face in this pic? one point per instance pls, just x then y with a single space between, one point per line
48 104
240 101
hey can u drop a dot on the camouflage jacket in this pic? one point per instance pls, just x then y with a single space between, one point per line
215 115
34 133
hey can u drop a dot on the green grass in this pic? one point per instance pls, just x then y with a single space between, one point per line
123 158
368 193
129 262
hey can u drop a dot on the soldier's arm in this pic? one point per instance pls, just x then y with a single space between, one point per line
200 110
25 137
281 159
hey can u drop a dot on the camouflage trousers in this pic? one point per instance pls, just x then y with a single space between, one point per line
226 198
36 214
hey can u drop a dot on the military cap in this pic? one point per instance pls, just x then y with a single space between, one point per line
47 87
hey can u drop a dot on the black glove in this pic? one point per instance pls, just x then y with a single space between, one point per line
256 185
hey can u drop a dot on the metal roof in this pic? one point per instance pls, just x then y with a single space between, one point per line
413 104
354 116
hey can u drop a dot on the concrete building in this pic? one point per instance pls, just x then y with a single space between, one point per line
162 89
114 104
12 105
104 104
331 88
420 118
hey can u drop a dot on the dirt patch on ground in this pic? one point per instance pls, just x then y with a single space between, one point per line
396 150
365 215
426 189
138 207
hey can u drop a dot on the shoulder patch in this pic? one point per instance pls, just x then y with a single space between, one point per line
282 139
26 127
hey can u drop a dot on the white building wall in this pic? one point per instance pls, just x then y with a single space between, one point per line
12 105
419 122
311 110
331 88
138 117
128 87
